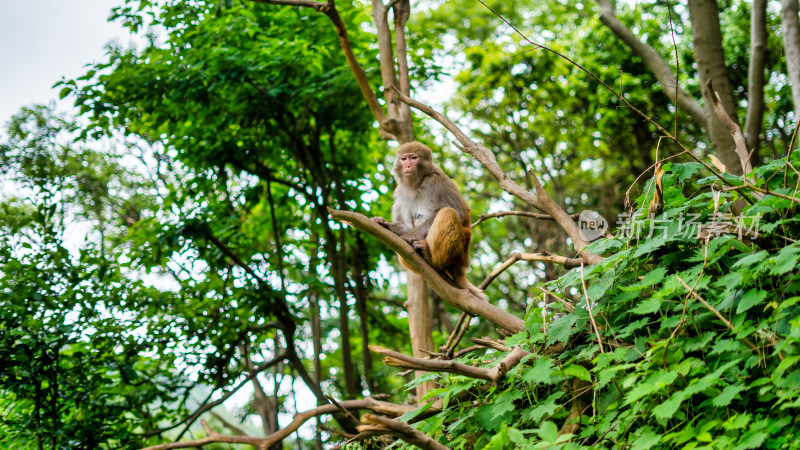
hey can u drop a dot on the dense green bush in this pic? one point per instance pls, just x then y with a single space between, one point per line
698 333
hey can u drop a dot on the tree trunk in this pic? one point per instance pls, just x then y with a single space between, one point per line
791 44
337 258
420 325
316 337
360 277
711 66
755 75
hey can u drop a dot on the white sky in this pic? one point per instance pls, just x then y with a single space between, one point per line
42 41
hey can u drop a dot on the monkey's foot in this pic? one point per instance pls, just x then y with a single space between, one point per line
422 247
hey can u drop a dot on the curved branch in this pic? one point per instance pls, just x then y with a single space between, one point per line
733 128
462 299
568 263
539 200
484 217
495 374
399 429
263 443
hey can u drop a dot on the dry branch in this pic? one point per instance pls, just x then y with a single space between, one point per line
462 299
263 443
733 128
715 312
495 374
490 343
399 429
538 216
568 263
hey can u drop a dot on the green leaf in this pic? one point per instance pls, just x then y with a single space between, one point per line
541 372
647 306
751 440
751 298
737 422
548 431
786 260
646 440
562 328
749 260
668 408
578 371
652 384
505 402
686 170
727 394
546 408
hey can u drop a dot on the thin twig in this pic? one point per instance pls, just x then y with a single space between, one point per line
589 308
539 216
343 410
716 313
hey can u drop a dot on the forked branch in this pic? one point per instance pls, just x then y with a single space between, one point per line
399 429
263 443
495 374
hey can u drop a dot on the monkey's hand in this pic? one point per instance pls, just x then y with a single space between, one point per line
381 221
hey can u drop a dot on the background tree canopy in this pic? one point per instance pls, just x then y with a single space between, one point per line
185 260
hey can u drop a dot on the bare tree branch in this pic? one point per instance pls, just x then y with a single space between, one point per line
484 217
263 443
733 128
495 374
401 430
491 343
462 299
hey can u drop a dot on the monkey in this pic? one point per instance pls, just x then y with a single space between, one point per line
430 214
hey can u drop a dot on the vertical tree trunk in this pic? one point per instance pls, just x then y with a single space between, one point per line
316 337
711 66
362 293
791 43
338 267
755 74
420 325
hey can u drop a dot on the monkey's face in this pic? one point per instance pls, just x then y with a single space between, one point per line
407 164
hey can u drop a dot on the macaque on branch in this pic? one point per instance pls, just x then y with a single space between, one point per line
430 214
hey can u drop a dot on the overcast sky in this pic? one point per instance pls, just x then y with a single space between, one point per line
42 41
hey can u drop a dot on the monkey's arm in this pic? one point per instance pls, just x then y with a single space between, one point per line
419 233
398 228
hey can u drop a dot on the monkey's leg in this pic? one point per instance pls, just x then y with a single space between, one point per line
448 240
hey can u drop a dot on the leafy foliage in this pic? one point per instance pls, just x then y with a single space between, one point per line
698 341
